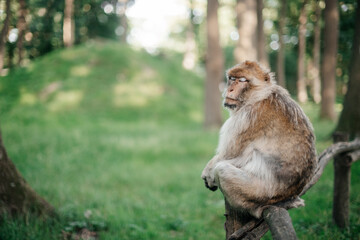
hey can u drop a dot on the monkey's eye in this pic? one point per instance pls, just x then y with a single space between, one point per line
242 79
232 78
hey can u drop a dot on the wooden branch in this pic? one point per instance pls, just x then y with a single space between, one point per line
324 158
354 156
327 155
280 224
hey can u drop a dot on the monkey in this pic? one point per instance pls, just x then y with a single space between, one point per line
266 151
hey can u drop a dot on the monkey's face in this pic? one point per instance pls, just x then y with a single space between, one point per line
242 80
236 88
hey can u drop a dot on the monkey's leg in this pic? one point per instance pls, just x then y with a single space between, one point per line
244 189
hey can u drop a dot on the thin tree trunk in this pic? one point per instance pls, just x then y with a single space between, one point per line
328 66
214 68
124 24
301 82
315 66
69 25
349 125
123 20
281 53
190 45
342 179
21 26
247 24
4 33
261 50
16 196
350 116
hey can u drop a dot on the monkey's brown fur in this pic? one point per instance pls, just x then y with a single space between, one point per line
266 151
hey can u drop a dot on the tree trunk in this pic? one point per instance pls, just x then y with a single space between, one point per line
21 26
190 45
281 53
261 50
4 33
214 68
235 219
247 24
301 82
16 196
69 25
350 116
342 178
328 66
315 66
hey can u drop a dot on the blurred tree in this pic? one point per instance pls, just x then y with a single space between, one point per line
328 66
246 16
123 28
69 25
315 62
45 27
348 127
301 82
214 68
4 33
21 26
349 121
190 43
16 196
261 43
280 64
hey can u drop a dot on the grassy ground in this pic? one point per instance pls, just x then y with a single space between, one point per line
113 139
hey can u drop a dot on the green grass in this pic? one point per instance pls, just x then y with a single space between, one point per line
122 137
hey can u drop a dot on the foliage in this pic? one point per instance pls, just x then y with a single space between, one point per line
133 159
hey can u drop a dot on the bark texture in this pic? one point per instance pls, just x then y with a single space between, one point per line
4 33
328 66
69 24
280 223
17 198
342 179
280 64
301 82
214 68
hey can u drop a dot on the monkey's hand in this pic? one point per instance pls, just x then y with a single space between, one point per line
209 178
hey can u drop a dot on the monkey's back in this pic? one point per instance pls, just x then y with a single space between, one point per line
281 131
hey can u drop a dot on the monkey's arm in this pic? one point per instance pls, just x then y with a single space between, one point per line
208 173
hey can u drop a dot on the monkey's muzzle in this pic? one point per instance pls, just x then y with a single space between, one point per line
230 103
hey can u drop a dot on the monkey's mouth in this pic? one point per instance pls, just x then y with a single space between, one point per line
231 106
230 103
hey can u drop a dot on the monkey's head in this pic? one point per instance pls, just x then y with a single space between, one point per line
243 80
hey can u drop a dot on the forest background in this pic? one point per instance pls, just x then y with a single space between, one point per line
110 109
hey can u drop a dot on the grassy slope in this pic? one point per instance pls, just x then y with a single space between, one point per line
133 158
